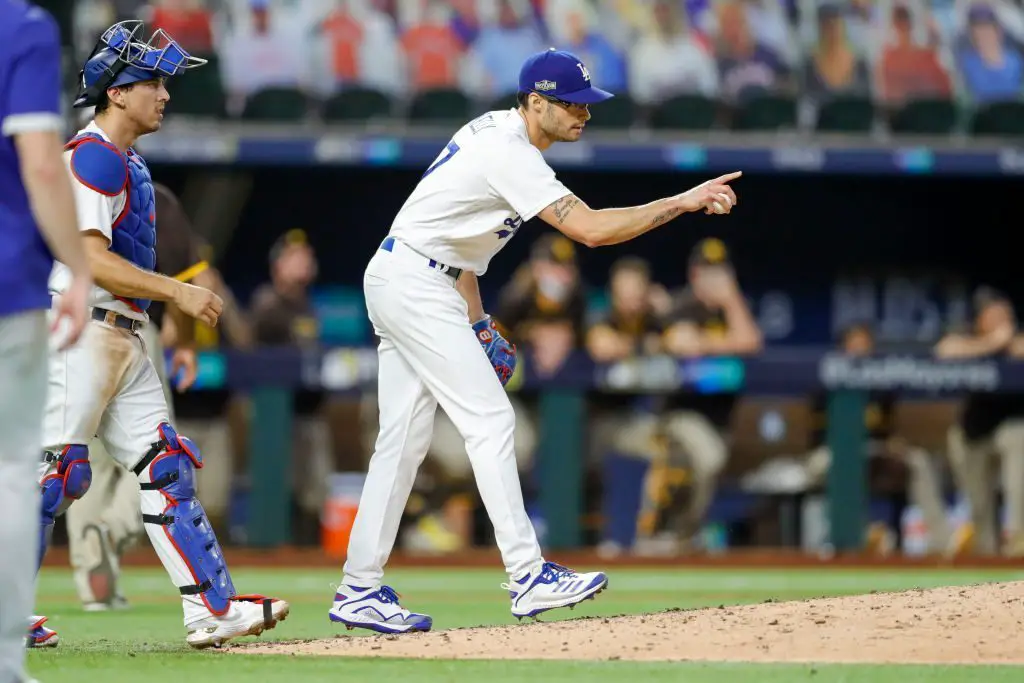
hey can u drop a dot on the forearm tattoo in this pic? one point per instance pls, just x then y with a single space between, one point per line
563 206
664 217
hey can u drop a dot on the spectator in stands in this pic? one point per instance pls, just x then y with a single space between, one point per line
493 63
543 306
283 314
906 70
261 55
990 427
622 423
833 68
574 27
432 50
363 46
991 66
189 21
897 469
709 317
746 68
670 59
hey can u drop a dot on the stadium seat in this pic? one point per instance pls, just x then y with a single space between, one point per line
357 103
765 112
685 112
999 118
846 114
201 94
276 104
617 113
440 105
925 116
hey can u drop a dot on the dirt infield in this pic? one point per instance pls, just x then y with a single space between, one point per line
961 625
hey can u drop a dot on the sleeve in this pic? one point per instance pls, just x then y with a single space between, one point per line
96 209
523 178
31 101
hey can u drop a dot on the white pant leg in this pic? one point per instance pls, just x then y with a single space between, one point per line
406 421
112 503
23 345
419 310
129 429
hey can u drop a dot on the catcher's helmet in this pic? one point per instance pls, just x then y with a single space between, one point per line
121 57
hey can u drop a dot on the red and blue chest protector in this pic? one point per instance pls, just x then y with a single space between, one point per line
102 167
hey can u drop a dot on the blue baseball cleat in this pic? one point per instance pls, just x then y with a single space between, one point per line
551 586
377 610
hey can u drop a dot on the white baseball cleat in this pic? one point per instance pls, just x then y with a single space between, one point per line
248 615
377 610
39 635
551 586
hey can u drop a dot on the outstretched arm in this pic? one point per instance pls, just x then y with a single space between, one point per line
602 227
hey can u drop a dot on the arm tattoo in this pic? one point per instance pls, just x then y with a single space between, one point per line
664 217
563 206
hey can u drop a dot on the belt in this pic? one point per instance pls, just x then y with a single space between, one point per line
117 320
389 245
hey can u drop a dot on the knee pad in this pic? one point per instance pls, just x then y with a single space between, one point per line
69 482
168 470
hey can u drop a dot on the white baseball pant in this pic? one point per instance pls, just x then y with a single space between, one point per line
106 521
429 355
23 350
107 387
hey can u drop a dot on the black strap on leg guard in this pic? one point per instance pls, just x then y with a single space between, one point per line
154 450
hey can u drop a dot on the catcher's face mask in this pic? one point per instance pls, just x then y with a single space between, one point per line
121 57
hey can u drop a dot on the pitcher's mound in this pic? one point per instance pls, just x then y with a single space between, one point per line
964 625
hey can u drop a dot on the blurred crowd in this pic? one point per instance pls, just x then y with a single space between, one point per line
890 52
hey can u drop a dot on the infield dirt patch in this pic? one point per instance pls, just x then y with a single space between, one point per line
981 624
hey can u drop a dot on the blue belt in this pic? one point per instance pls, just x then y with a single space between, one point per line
389 245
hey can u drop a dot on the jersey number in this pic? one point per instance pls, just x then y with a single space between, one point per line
449 152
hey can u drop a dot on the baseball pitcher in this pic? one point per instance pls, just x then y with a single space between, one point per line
37 219
439 347
107 386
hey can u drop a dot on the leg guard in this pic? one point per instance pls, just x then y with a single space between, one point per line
181 532
62 486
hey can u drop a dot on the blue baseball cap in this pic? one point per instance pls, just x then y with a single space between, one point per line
561 75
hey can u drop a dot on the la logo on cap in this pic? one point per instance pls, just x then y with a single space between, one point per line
583 70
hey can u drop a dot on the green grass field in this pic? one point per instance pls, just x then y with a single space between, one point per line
146 643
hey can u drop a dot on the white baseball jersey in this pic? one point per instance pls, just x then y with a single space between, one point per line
96 211
477 193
